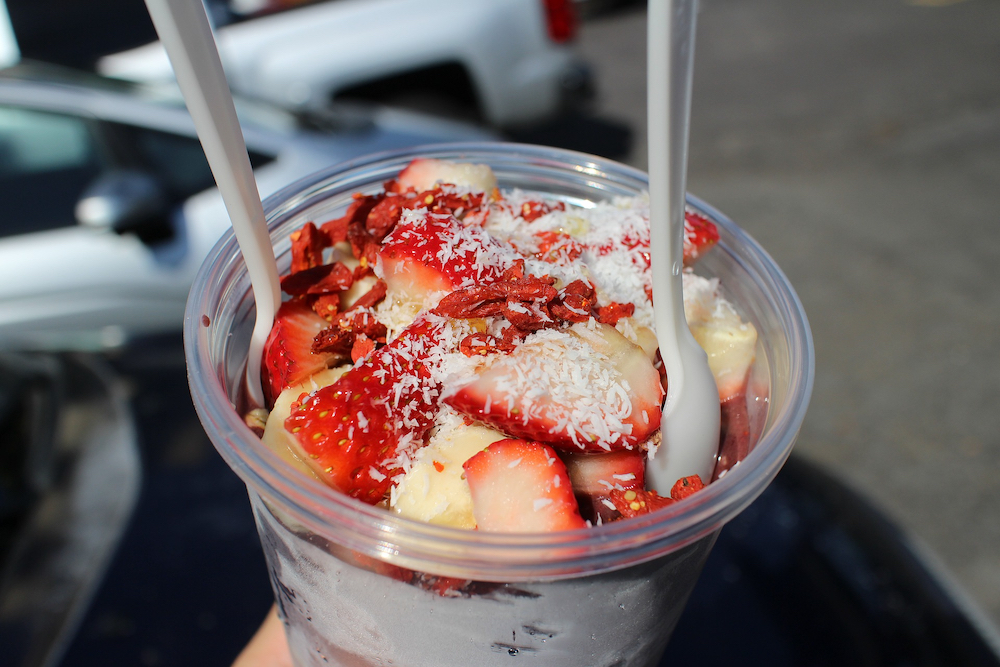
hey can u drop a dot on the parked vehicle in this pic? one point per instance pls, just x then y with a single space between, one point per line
507 60
109 205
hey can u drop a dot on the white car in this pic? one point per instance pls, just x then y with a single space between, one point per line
109 207
511 57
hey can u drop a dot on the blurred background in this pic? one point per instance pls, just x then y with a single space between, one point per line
858 141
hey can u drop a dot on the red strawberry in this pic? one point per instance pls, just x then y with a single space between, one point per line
520 486
288 358
636 502
350 430
424 174
700 234
582 389
595 476
438 253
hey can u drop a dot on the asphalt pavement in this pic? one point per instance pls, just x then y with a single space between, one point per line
859 142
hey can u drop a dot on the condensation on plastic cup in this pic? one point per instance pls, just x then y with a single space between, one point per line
351 548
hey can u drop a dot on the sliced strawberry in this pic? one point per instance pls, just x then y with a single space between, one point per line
425 173
595 476
288 357
700 234
350 430
636 502
582 389
435 253
520 486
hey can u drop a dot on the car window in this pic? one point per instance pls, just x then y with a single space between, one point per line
46 162
179 161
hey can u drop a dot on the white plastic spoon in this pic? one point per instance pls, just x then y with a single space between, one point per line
690 425
187 36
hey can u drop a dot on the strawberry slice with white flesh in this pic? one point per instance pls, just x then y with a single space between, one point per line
586 388
351 431
429 254
595 476
519 486
288 357
426 173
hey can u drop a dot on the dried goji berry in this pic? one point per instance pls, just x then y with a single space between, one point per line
686 486
479 344
370 298
581 287
326 306
499 297
362 272
528 317
611 313
333 340
308 244
356 213
362 320
363 346
323 279
530 288
515 272
636 502
383 217
512 336
572 308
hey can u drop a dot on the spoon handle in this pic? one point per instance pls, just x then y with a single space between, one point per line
185 32
690 420
670 69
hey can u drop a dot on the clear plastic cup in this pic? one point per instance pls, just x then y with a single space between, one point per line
356 585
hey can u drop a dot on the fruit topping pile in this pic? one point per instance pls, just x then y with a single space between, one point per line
485 359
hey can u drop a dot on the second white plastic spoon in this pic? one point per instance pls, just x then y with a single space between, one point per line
690 426
184 30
